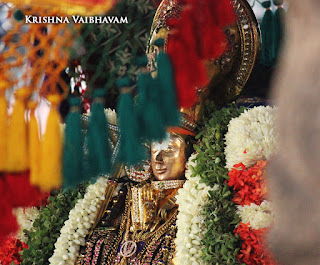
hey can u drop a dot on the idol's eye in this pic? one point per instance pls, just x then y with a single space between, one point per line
169 150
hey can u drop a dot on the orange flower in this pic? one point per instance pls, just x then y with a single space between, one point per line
253 250
248 184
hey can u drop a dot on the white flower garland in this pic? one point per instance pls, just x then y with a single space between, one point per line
251 137
192 198
259 216
25 219
76 228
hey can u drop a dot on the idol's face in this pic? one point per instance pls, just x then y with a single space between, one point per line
168 158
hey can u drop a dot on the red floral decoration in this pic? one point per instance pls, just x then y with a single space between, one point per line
195 39
248 184
10 251
253 250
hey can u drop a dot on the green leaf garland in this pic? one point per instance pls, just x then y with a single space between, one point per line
221 246
46 229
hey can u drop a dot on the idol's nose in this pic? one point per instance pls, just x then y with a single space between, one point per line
159 157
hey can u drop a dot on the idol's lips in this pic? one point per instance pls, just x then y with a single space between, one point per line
159 169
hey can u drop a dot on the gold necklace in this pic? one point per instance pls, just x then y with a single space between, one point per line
167 184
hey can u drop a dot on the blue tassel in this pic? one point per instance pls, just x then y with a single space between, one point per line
131 150
267 36
97 141
73 146
148 106
167 94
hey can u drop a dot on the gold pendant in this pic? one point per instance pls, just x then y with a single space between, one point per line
128 249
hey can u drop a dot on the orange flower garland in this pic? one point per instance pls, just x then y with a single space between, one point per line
10 251
253 250
249 185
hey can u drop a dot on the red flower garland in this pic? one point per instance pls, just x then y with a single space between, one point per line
253 251
10 251
249 185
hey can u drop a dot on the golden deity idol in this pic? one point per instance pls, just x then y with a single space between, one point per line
139 225
137 222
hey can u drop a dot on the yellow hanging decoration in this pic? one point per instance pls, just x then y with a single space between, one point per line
3 125
51 149
34 145
17 148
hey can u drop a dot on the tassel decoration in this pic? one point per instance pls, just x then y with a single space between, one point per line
278 28
3 125
97 141
51 149
267 35
73 146
34 145
131 151
17 148
148 104
165 78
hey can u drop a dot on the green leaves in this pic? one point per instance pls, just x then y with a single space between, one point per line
221 246
111 49
47 227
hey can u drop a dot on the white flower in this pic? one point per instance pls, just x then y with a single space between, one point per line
77 227
251 137
259 216
190 221
25 219
111 116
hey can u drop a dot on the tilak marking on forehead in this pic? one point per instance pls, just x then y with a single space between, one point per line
163 145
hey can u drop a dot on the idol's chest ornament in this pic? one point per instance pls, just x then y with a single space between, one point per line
148 222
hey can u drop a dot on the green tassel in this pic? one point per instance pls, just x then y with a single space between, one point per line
97 141
73 146
148 111
167 92
131 151
278 28
267 35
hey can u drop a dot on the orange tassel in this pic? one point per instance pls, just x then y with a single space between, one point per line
3 125
51 149
34 145
17 148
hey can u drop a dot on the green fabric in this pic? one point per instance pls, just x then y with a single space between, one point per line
131 150
73 147
278 31
149 109
266 4
167 97
124 82
278 2
97 142
267 36
142 61
159 42
18 15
